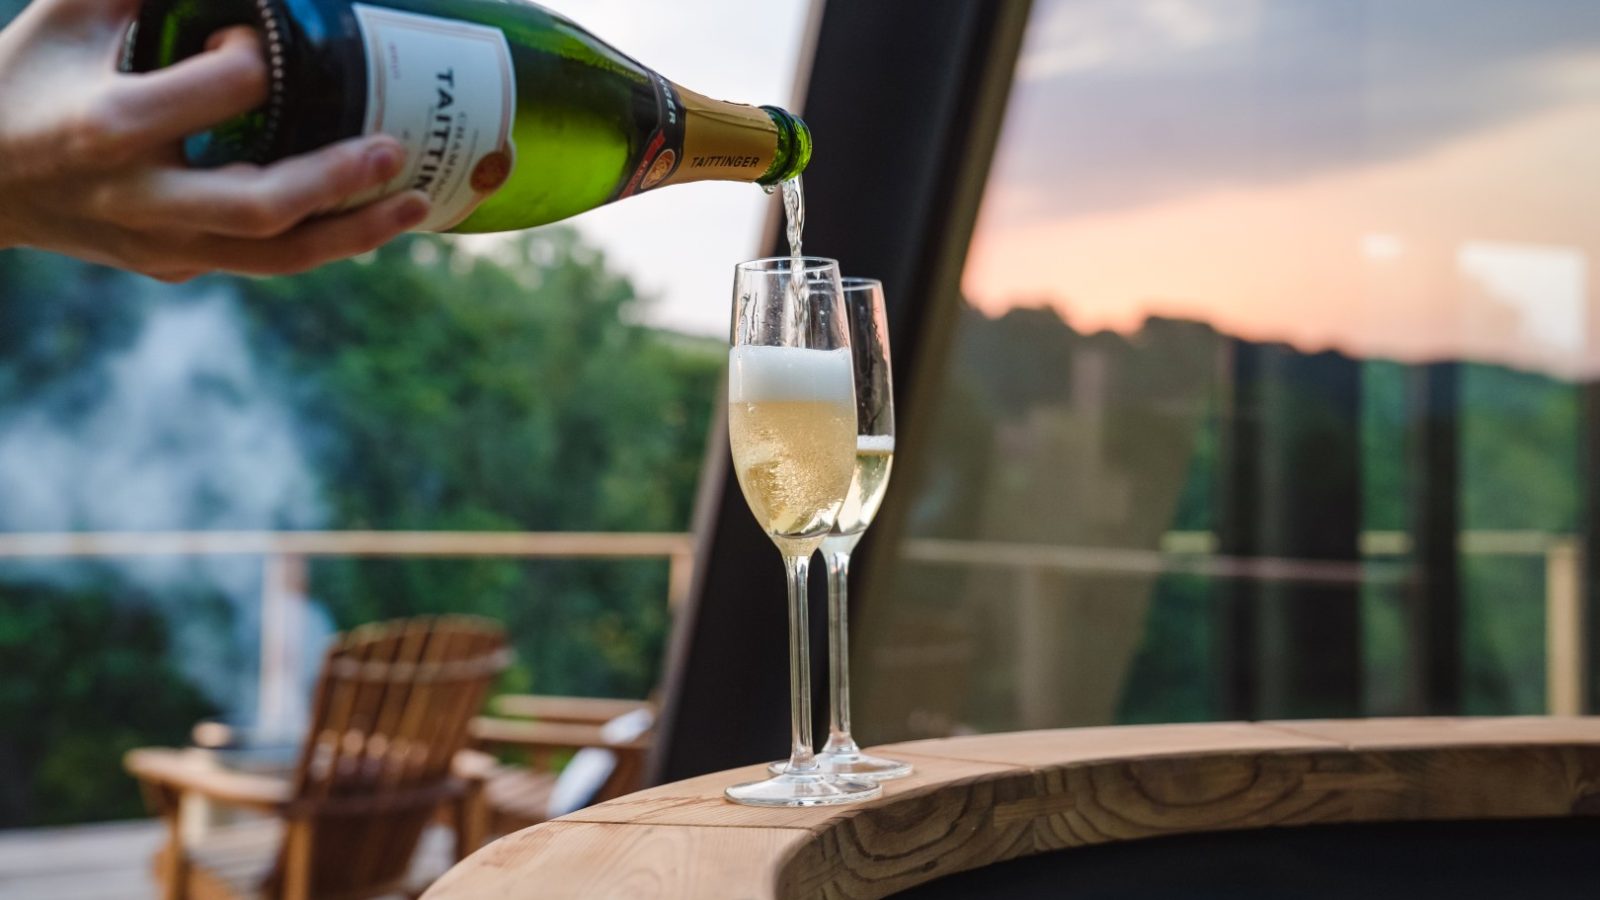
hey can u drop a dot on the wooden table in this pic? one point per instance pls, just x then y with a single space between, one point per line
977 801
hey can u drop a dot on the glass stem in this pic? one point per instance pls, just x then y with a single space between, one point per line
802 757
839 739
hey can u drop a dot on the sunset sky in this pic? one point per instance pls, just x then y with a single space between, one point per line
1413 180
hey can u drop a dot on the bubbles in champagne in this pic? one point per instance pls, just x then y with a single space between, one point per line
873 463
761 374
791 425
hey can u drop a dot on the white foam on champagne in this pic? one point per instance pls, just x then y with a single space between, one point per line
875 443
760 374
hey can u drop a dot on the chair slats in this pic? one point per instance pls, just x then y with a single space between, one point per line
408 691
391 711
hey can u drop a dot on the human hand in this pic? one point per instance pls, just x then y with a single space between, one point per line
91 164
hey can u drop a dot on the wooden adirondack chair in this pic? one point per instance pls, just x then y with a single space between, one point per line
543 729
390 715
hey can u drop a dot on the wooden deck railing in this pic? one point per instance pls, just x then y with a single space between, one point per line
1181 552
284 582
677 549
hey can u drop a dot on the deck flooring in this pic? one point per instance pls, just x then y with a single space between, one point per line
81 862
112 861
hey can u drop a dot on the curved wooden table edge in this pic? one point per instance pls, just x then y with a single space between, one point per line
984 799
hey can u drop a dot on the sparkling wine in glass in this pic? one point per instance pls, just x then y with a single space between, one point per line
792 430
874 459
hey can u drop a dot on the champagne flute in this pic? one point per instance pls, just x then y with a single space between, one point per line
869 350
792 430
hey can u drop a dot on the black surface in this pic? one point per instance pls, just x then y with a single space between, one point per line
1238 527
1290 472
1435 613
1510 860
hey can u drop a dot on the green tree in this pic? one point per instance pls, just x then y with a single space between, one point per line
452 390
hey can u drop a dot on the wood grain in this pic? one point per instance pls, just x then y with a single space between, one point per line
592 710
563 735
1066 745
979 800
578 860
1441 732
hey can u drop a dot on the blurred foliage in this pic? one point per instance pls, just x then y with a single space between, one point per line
82 681
437 389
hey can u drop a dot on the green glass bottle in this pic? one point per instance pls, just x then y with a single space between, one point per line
513 116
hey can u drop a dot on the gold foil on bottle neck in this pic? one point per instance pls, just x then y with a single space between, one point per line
723 141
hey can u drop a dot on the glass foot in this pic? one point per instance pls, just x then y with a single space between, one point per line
854 765
809 789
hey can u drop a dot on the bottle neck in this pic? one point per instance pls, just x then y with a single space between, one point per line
734 142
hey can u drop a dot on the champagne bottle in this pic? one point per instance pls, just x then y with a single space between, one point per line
512 115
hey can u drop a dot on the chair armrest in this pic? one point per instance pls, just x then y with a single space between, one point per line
487 730
593 710
185 772
474 766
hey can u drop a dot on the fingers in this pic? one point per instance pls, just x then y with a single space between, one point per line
150 109
317 242
261 202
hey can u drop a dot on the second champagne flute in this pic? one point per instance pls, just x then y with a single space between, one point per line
792 430
874 381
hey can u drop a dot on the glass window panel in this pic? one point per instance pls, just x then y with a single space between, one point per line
1266 395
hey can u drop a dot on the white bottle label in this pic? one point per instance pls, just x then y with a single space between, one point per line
447 91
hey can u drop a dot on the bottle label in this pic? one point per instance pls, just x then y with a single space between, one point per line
447 91
663 150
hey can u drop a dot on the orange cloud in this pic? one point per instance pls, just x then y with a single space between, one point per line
1484 248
